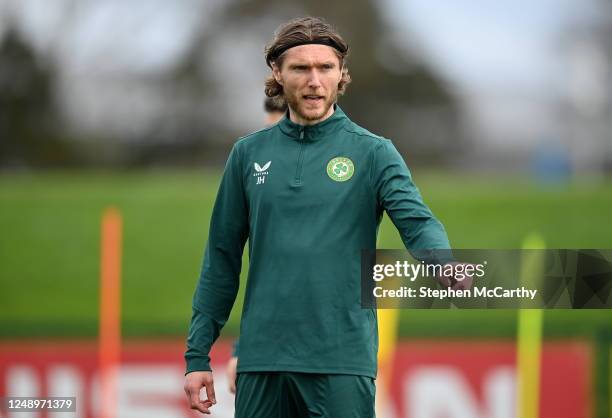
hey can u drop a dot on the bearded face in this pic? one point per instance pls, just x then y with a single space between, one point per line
309 75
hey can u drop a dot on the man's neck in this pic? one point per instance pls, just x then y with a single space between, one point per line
295 118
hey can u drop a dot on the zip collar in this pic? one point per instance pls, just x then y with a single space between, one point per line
316 131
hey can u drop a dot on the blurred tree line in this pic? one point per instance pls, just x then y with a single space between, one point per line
28 116
393 93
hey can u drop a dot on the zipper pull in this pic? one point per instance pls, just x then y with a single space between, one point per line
301 133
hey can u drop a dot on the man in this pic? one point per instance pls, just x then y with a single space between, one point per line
275 109
309 193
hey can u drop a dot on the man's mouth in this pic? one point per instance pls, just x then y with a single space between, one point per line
311 98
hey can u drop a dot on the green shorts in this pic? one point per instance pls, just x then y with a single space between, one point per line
297 395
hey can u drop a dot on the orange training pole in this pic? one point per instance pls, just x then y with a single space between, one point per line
109 345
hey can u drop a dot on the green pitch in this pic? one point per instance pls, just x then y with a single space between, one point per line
49 247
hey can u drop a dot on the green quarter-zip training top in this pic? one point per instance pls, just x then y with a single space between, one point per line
308 199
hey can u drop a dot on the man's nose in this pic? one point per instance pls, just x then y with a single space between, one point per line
314 80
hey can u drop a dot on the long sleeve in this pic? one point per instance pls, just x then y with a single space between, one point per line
420 231
219 278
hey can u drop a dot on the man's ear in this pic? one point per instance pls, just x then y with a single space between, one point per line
277 74
342 69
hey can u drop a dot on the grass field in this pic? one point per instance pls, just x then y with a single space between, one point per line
49 249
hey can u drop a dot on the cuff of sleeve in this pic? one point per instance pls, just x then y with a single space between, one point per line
198 364
437 256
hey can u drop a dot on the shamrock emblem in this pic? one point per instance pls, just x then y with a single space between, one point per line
340 169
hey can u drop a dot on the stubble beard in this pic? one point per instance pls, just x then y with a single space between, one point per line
296 104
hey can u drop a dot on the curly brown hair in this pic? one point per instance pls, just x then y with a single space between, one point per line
301 31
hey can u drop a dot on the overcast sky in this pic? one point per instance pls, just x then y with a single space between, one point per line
490 44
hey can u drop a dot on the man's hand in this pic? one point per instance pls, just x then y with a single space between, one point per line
461 279
194 381
232 364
